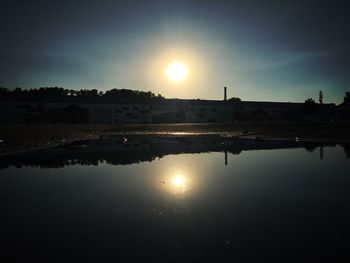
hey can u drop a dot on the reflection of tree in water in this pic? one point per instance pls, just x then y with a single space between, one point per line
144 149
346 147
310 148
43 159
235 151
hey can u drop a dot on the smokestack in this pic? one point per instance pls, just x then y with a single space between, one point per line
225 94
320 97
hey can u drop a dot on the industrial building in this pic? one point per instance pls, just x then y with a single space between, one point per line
100 110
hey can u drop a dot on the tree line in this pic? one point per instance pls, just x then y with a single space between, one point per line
60 92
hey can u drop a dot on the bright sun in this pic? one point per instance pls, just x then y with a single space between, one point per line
179 181
177 71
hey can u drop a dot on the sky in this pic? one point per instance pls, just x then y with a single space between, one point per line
260 50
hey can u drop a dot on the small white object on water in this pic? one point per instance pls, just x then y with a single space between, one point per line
1 140
296 139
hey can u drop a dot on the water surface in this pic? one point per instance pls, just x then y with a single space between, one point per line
183 199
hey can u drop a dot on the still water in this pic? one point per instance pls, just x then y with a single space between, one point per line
177 199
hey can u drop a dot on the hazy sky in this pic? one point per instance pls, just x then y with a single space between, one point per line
260 50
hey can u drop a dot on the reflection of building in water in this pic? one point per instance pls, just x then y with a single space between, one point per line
115 150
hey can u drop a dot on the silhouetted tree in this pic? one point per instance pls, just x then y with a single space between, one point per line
72 92
309 106
347 98
125 93
94 92
3 91
17 91
60 92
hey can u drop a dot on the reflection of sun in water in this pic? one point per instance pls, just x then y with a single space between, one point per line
179 184
179 181
177 71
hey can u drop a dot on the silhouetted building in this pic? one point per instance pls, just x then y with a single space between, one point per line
72 109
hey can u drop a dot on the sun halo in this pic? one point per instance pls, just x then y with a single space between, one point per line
177 71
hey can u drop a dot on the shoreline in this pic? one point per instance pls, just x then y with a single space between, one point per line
19 138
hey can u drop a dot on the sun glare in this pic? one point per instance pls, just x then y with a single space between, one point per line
179 181
177 71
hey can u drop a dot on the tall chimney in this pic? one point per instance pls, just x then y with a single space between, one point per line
225 93
320 97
